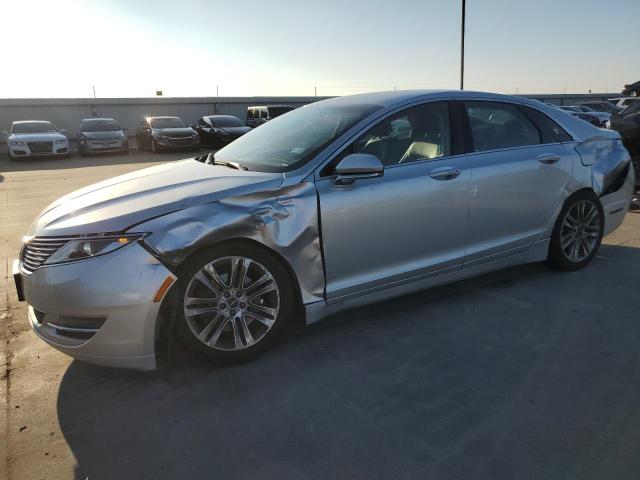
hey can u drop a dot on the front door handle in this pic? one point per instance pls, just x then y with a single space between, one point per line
548 159
444 173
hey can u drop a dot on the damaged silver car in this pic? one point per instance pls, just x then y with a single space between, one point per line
340 203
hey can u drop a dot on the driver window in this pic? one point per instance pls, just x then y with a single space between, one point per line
416 134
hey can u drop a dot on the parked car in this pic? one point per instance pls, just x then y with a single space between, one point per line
627 124
256 116
98 135
623 102
222 252
586 116
219 130
31 138
602 116
602 106
632 89
166 133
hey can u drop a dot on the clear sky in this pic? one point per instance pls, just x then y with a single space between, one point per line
131 48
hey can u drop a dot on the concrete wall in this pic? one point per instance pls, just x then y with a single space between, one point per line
66 113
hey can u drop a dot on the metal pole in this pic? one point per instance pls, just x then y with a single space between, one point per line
462 46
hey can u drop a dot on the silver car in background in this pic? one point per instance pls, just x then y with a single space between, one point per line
97 135
340 203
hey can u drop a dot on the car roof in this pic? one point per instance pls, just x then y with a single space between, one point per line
271 106
162 116
220 116
31 121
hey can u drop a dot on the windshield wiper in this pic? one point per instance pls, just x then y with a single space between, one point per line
211 160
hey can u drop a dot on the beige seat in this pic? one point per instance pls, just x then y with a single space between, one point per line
419 150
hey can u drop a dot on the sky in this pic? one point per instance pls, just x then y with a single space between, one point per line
126 48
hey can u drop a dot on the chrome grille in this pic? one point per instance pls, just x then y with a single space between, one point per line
36 251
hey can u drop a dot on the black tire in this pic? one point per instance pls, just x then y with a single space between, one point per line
562 257
287 304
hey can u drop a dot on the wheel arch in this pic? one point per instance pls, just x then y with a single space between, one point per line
165 323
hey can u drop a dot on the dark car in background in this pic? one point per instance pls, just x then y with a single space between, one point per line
627 124
256 116
602 106
166 133
219 130
98 135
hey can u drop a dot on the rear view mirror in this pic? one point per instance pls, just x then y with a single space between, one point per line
358 165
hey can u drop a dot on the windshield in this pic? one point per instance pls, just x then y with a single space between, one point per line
277 111
292 140
226 121
100 126
167 122
33 127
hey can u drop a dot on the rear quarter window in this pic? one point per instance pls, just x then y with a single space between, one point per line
550 131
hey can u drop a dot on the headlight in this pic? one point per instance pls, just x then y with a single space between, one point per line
17 144
61 141
83 248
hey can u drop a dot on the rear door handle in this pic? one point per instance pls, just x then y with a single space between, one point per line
548 159
444 173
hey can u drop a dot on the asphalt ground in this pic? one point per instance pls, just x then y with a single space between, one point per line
528 373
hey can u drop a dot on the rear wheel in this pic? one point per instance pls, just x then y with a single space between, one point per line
578 232
235 301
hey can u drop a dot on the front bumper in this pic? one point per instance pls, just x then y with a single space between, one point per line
103 145
178 142
26 151
111 299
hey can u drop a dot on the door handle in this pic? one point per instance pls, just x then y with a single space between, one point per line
445 173
548 159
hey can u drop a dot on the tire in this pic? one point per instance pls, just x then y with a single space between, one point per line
229 332
154 146
578 231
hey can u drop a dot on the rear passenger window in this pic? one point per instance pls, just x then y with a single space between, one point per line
496 125
551 132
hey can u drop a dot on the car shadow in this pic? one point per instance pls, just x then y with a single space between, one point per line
523 373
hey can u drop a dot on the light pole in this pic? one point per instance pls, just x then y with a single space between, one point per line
462 46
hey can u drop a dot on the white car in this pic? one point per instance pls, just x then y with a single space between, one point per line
29 138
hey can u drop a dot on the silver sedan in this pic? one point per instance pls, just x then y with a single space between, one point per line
340 203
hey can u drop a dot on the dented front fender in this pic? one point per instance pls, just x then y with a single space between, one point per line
284 220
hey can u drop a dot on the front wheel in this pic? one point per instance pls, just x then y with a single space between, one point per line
578 232
235 301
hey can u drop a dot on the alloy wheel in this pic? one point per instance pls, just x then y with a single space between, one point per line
580 231
231 303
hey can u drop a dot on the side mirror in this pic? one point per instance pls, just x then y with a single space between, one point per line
358 165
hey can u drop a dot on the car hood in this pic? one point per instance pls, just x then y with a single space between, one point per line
103 135
235 130
36 137
175 132
116 204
